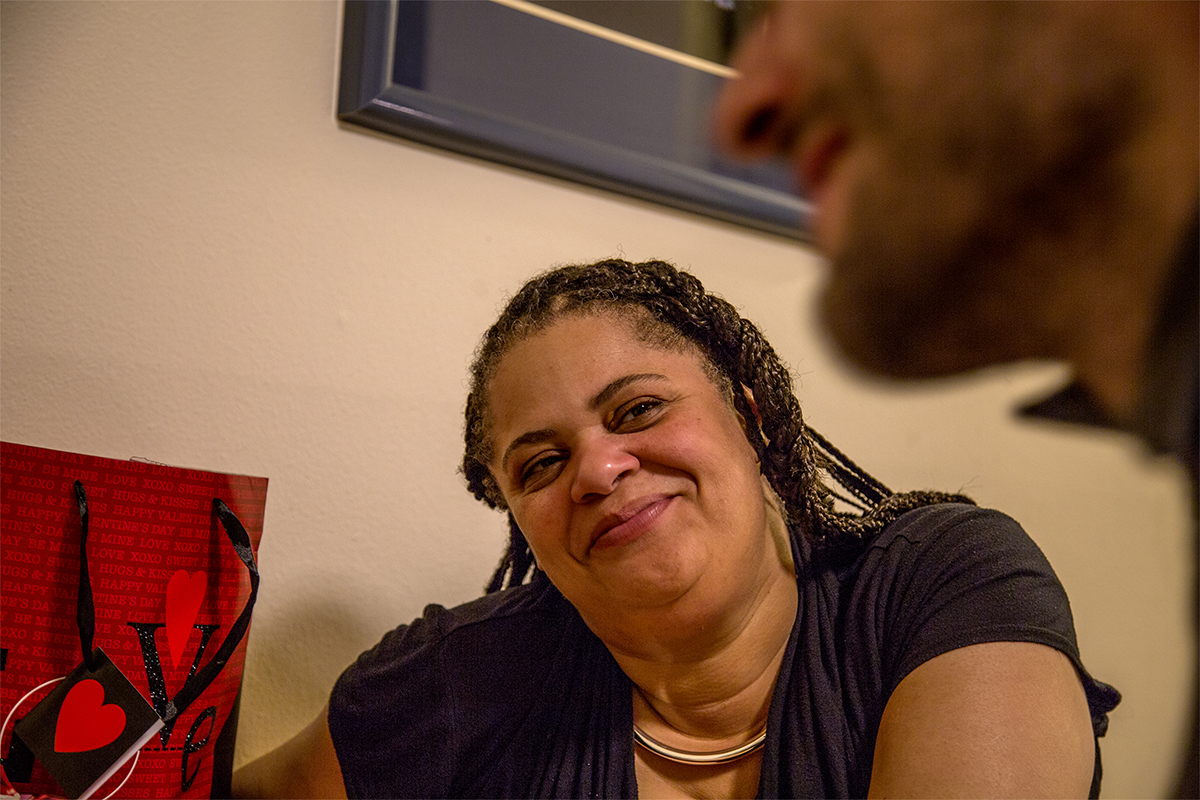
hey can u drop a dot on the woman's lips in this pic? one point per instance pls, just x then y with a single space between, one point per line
629 523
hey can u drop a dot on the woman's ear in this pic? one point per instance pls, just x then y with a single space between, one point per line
749 395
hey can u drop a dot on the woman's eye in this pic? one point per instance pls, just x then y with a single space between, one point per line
637 414
540 469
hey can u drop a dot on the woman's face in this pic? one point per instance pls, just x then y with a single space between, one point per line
629 473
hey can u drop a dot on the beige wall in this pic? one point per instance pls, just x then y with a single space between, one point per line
199 266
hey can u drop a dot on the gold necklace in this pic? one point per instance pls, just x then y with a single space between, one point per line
691 757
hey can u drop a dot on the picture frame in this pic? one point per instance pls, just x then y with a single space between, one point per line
515 83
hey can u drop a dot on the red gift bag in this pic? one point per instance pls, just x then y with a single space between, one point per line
122 568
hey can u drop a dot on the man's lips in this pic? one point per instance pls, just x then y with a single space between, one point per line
816 154
629 523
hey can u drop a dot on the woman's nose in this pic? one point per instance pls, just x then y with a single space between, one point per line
749 119
600 465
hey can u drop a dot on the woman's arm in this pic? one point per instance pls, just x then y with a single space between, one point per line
1003 719
304 766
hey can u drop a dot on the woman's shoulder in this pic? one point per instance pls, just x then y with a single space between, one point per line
951 532
509 619
951 551
951 574
484 655
930 522
439 703
512 605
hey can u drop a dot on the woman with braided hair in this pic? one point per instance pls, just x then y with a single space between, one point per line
682 611
737 354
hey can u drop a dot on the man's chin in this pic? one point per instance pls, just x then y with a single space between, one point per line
884 346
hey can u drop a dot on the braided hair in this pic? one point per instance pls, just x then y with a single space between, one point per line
671 309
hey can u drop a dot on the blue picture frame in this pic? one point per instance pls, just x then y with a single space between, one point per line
489 80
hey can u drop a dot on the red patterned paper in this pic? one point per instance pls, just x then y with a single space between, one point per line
167 586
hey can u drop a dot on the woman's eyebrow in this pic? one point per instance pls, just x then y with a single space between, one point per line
533 437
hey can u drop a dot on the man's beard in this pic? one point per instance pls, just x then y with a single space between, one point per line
941 263
901 297
941 273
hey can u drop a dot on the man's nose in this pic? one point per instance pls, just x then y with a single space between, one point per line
749 119
601 463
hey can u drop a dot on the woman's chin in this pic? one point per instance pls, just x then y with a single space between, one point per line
635 587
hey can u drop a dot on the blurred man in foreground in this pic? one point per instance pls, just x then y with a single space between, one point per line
996 182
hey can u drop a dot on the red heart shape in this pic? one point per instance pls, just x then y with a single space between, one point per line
184 595
84 722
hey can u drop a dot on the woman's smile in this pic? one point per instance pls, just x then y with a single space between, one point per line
628 525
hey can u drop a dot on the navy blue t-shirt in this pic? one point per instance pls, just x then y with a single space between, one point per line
512 695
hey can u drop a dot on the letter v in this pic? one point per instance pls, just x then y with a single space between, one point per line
154 671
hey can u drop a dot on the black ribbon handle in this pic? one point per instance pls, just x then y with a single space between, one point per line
194 686
198 682
85 605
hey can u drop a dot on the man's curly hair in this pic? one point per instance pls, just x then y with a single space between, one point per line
669 308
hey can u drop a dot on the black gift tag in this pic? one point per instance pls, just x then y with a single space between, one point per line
18 764
90 725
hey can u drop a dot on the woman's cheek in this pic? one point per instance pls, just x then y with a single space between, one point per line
534 517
